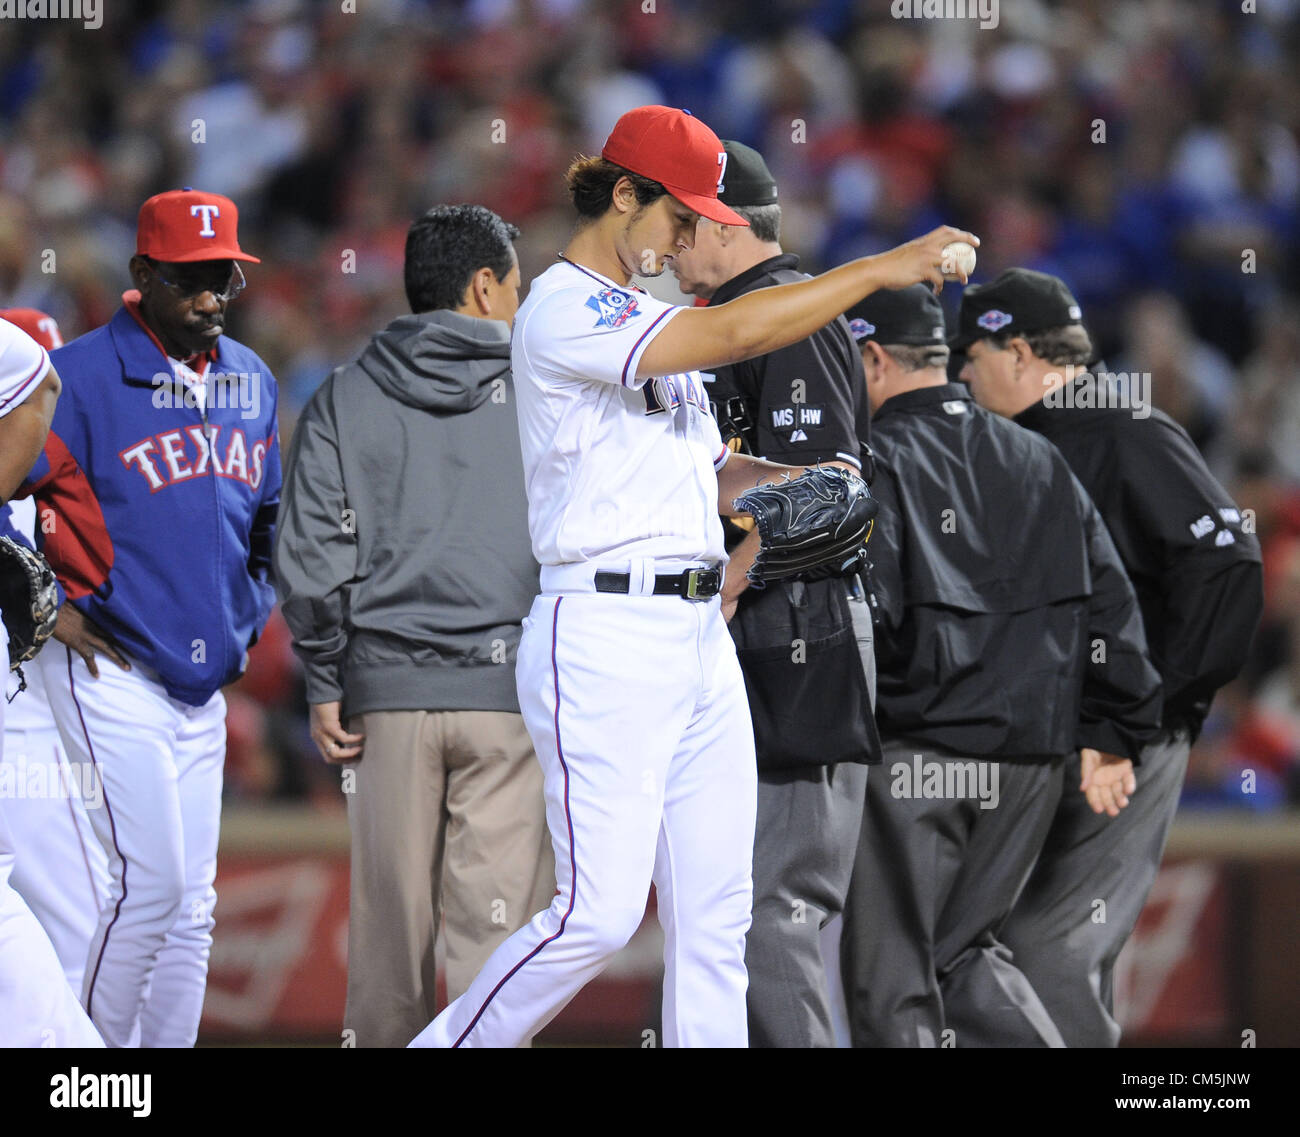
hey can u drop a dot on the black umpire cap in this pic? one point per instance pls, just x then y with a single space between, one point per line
746 180
911 315
1018 300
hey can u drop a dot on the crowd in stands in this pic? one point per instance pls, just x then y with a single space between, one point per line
1145 152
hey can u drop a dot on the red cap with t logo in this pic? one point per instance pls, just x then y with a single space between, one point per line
41 326
675 149
189 225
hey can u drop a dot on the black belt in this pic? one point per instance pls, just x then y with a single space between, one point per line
693 584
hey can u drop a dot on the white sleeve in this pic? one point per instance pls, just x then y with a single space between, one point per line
23 364
598 333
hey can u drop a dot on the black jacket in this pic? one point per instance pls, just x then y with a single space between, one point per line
1006 626
1193 561
803 672
806 402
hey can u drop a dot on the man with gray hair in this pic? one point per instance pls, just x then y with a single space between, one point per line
1195 565
993 581
804 645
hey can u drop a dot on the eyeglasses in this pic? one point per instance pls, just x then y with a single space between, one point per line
193 289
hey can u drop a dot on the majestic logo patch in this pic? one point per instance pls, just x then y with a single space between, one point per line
994 320
801 415
614 307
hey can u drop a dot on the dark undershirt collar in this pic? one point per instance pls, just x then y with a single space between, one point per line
737 285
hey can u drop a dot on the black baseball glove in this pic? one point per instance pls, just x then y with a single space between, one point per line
29 600
815 525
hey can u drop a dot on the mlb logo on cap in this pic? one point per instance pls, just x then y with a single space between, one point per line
994 320
189 225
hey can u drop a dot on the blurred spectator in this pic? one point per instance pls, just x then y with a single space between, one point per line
1190 380
1137 150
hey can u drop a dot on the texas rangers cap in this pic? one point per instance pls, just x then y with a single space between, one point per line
189 225
911 315
1018 300
675 149
746 180
41 326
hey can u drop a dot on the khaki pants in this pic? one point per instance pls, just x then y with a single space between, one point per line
448 822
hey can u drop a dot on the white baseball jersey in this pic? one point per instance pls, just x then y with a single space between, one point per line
647 754
23 364
616 468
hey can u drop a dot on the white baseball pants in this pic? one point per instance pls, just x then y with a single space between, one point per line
160 765
637 710
61 870
37 1007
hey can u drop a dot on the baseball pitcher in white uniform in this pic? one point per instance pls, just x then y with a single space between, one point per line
627 676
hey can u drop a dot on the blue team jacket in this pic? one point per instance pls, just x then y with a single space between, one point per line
158 514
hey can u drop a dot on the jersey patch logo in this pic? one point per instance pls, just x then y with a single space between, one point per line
798 436
615 308
800 415
1225 537
994 320
954 406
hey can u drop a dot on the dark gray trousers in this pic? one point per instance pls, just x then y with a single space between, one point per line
1087 890
803 856
804 842
935 878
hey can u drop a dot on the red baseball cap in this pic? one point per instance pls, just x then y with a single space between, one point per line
189 225
41 326
675 149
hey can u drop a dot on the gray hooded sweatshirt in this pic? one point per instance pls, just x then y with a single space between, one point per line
402 558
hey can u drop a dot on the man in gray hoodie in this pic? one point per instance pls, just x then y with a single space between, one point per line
404 571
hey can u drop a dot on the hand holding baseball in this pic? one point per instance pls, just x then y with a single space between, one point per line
930 258
958 261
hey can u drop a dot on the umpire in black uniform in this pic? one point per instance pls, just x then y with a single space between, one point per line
995 584
804 646
1198 578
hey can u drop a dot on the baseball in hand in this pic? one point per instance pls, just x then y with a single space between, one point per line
958 257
